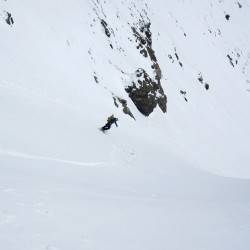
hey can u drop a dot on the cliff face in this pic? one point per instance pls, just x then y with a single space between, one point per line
145 92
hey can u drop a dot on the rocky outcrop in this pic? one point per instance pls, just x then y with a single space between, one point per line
145 89
201 80
9 19
146 93
124 105
143 37
106 28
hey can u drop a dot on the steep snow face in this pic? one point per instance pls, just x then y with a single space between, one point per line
203 72
175 73
80 55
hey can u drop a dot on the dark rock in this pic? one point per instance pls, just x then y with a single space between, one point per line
200 78
227 16
115 102
184 94
124 104
106 29
125 109
144 52
147 93
206 86
9 19
96 79
230 60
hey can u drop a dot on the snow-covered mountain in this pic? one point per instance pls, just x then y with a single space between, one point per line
175 172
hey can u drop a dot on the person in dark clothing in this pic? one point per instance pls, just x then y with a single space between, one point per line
111 120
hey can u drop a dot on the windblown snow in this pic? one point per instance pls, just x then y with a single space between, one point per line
174 174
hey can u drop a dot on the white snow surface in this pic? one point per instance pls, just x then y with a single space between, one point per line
178 181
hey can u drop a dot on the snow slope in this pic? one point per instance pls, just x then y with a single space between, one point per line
175 180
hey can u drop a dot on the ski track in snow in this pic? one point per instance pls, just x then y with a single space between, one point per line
43 158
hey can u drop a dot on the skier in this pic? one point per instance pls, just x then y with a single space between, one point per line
111 120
